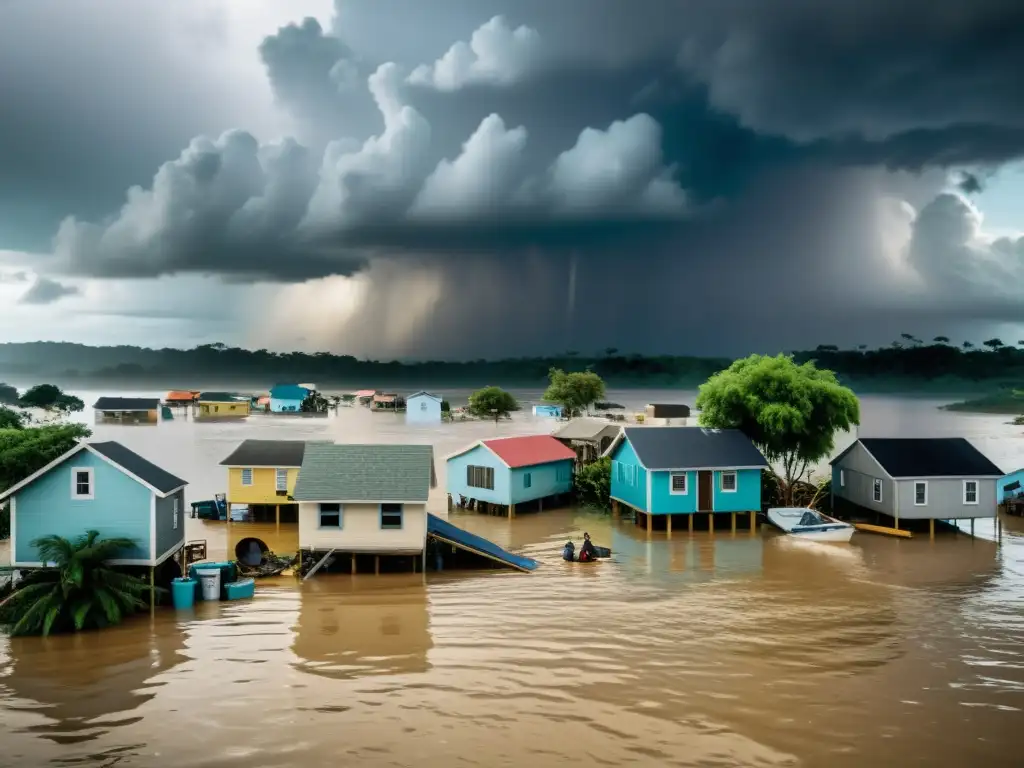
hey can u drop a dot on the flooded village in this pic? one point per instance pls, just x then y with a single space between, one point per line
386 564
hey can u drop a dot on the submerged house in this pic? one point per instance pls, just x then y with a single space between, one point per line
360 503
511 472
670 413
423 408
127 410
262 475
103 487
287 398
678 472
936 478
587 437
220 405
387 401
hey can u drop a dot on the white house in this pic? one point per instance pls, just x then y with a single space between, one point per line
423 408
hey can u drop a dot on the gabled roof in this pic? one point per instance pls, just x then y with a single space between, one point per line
424 394
370 473
217 397
918 457
127 404
522 450
141 470
267 453
585 428
661 448
180 395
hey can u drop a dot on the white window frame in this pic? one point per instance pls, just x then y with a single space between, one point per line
281 479
735 481
876 485
74 484
842 478
672 485
176 507
977 493
923 483
249 470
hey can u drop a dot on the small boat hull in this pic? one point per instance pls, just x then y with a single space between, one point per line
243 589
840 534
809 524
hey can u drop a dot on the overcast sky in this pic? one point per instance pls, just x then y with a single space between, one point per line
482 178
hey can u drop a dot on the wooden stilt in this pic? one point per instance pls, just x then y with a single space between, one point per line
733 515
711 522
540 505
668 524
511 511
615 509
931 528
376 565
972 526
650 522
353 555
689 522
753 520
152 587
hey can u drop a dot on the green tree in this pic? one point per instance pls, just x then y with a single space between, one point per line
314 402
8 394
594 484
791 412
941 339
575 392
492 402
12 419
24 451
993 344
50 397
77 591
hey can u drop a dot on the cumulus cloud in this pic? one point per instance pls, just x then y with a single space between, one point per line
47 291
496 54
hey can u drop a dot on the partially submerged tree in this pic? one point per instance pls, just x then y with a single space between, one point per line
594 484
77 591
314 402
8 394
575 392
790 412
492 402
52 398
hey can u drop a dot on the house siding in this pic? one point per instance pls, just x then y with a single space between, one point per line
207 409
360 529
747 496
422 410
634 495
121 507
264 486
167 538
544 481
946 499
861 471
285 405
664 502
480 456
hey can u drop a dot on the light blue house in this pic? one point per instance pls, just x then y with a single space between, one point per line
511 471
423 408
287 398
664 472
1010 486
103 487
548 411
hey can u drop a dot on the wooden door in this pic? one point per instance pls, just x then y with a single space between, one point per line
704 480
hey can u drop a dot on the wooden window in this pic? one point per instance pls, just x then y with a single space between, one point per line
281 478
480 477
246 477
330 515
876 490
970 491
390 516
82 485
527 480
728 482
920 493
678 483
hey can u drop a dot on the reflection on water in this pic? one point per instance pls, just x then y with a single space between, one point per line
710 650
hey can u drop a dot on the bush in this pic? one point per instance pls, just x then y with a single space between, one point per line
594 484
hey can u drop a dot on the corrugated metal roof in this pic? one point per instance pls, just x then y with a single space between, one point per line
267 453
127 404
528 450
142 468
693 448
332 472
585 428
908 457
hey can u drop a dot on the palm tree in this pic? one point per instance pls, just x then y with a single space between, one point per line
78 591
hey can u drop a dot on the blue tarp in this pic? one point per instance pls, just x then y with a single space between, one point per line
473 543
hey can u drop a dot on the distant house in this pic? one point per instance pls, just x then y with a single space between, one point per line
127 410
548 411
364 499
181 397
103 487
664 472
588 437
944 478
671 413
423 408
511 471
220 405
287 398
387 401
262 475
1010 486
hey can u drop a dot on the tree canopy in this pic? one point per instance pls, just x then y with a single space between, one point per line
8 394
314 402
24 451
50 397
12 419
575 392
492 402
791 412
594 484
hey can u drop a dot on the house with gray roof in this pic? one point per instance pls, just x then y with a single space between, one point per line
587 436
126 410
364 499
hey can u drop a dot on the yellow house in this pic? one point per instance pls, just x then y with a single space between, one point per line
220 405
262 475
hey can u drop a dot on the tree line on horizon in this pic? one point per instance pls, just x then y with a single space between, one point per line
908 356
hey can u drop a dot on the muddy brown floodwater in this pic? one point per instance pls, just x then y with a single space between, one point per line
699 650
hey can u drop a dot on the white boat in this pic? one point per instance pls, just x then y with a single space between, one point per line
808 524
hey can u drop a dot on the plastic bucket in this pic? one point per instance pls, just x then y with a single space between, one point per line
183 593
209 580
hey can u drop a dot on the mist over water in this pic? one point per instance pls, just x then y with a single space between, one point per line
699 650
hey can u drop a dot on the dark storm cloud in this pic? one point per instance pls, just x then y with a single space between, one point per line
47 291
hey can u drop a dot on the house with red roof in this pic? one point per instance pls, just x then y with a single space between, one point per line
511 473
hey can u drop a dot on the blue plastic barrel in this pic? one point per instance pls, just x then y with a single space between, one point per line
183 593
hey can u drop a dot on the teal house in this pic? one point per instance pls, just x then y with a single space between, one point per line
287 398
676 472
103 487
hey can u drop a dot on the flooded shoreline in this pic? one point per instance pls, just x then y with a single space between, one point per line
699 649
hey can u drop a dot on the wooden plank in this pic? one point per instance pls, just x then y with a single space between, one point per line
881 529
